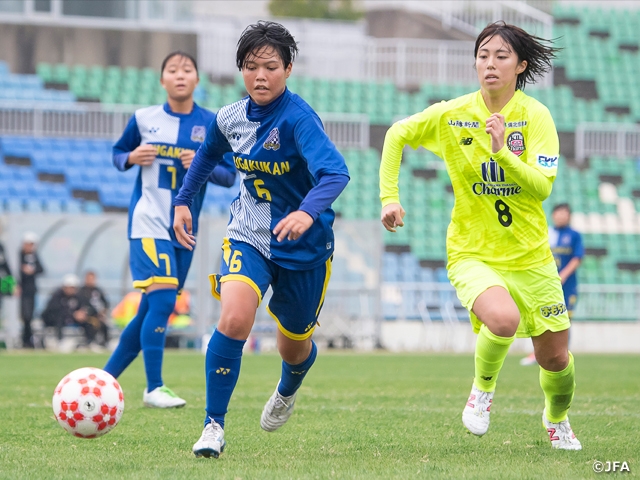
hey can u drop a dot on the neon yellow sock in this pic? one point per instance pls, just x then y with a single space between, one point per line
558 388
491 350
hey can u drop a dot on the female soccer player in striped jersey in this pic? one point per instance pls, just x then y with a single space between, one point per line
500 148
162 140
280 233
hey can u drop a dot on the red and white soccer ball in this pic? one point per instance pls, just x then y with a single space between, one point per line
88 402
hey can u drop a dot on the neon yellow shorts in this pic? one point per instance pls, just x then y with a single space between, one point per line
536 292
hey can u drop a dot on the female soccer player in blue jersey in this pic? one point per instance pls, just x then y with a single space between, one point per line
162 140
501 150
280 232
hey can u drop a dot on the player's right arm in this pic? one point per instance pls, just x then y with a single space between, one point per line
207 157
418 130
128 152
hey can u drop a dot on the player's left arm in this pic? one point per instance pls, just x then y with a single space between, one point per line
576 260
206 159
537 173
329 170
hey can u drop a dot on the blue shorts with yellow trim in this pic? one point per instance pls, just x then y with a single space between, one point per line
298 295
158 261
570 300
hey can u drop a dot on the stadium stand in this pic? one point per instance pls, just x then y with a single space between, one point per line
595 81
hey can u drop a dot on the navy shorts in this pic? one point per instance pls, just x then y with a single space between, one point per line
297 297
158 261
570 300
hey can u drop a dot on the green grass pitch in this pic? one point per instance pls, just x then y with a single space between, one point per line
357 416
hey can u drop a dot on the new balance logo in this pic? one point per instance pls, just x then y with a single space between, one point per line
273 140
154 129
466 141
298 373
309 327
492 172
223 371
486 379
159 330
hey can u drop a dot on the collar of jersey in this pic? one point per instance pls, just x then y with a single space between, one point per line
168 110
513 99
259 111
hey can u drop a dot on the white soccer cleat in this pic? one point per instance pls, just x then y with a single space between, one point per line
211 443
277 411
561 434
475 415
162 397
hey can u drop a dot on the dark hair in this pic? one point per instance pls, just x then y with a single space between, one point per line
528 47
178 53
561 206
266 34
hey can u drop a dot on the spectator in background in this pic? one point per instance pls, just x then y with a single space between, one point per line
7 282
567 249
30 268
64 307
95 303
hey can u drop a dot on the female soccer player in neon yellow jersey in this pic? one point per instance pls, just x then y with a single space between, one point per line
500 149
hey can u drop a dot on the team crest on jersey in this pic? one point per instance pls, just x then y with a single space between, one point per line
273 140
198 133
515 143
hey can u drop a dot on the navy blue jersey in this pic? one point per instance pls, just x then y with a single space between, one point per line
282 152
566 244
150 211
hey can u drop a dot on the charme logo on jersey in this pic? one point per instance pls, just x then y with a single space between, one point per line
494 181
273 168
273 140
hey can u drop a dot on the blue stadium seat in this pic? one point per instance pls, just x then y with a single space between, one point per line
33 205
4 68
91 178
72 206
74 179
54 205
75 160
14 205
93 208
441 275
16 146
20 190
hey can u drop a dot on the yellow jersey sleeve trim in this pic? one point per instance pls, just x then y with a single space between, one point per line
293 336
327 276
152 280
236 277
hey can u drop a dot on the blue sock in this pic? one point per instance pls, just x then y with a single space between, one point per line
292 375
129 344
154 329
222 367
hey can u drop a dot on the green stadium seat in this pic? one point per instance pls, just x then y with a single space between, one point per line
45 71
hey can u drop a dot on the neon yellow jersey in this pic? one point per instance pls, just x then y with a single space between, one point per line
494 218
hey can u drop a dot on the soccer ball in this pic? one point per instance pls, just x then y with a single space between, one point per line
88 402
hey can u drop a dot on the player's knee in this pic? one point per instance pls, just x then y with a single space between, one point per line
553 361
502 321
235 324
294 352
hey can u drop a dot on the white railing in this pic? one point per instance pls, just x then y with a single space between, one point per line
437 301
410 62
471 16
607 139
91 120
